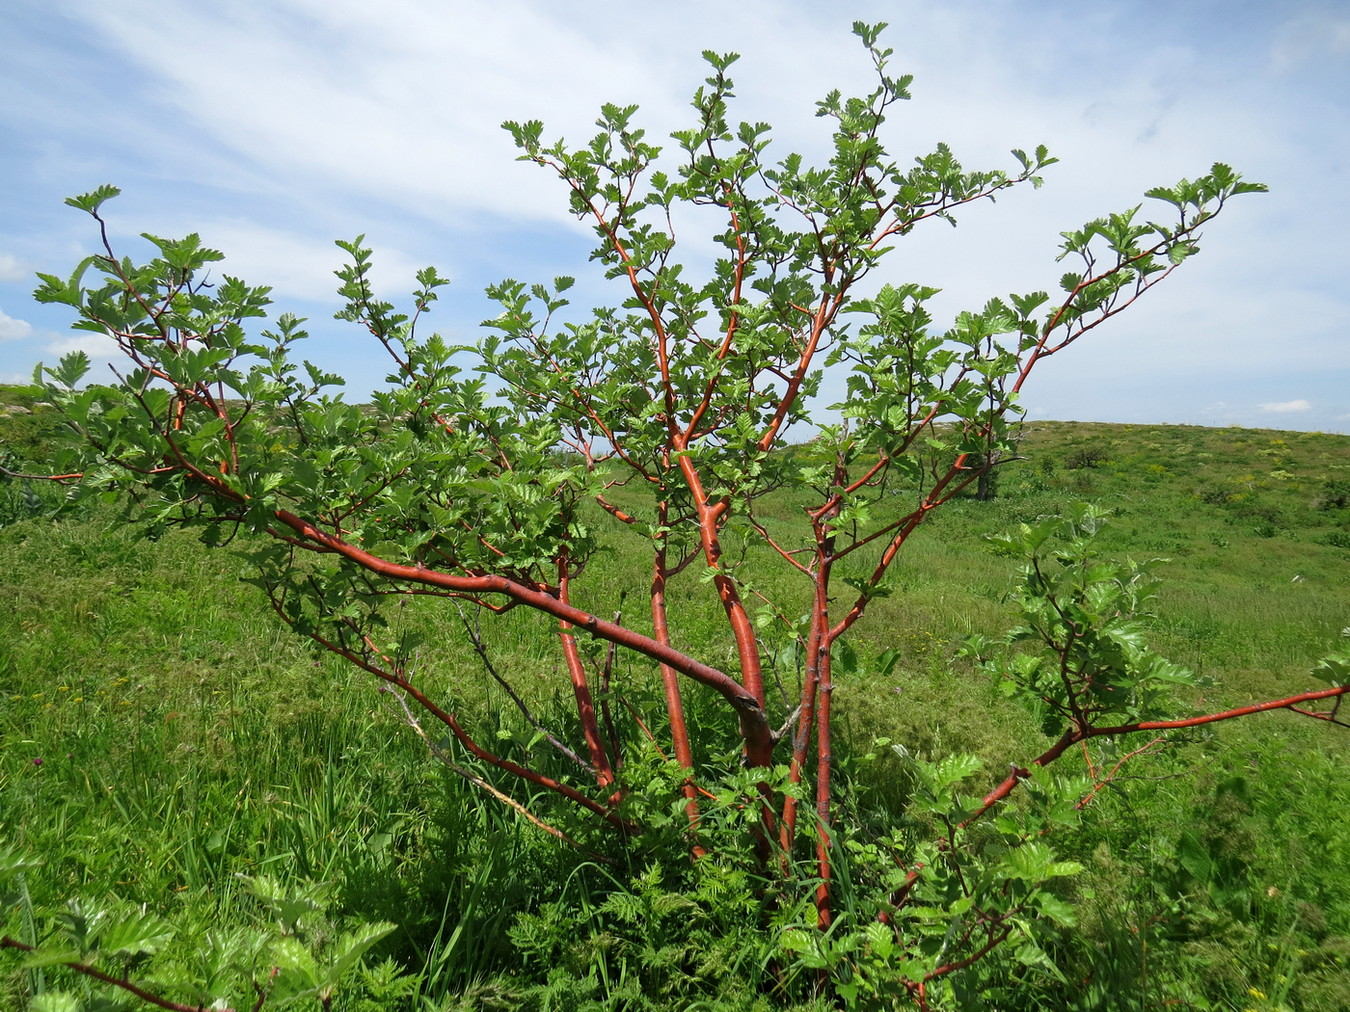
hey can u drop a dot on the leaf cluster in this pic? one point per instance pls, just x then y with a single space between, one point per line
1079 657
132 951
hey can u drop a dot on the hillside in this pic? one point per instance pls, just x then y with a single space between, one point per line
161 735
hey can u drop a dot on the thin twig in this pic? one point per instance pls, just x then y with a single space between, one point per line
475 637
443 757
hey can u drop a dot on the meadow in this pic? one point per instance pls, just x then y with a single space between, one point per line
166 741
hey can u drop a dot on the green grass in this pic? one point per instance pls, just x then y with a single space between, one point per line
161 735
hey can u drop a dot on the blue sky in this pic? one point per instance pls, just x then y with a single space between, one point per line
273 127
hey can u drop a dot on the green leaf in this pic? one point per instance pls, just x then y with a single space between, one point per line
52 957
14 861
1334 669
297 973
844 659
352 946
1195 858
138 933
288 904
94 199
55 1001
1031 954
950 771
72 369
1181 251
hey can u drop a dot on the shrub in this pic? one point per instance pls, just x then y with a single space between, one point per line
1083 457
664 420
1335 494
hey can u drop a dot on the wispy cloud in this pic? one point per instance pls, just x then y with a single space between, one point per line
277 125
1285 407
1310 37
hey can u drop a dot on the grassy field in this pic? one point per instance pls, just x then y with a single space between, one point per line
162 737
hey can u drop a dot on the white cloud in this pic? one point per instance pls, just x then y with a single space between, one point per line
11 269
405 100
1284 407
295 265
12 329
99 347
402 102
53 344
